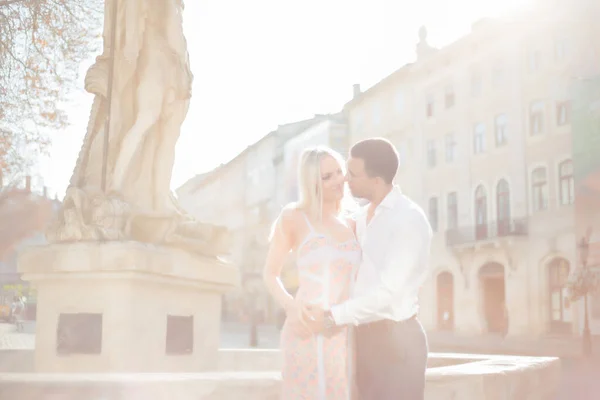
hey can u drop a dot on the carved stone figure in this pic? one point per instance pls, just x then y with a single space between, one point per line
151 91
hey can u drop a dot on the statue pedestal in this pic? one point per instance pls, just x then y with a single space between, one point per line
125 307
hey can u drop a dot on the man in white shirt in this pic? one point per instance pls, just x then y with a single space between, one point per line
395 236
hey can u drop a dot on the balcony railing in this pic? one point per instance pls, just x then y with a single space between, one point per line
487 231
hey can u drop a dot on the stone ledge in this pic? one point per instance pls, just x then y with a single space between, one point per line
71 259
477 377
205 386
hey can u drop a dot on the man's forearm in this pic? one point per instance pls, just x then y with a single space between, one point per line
401 265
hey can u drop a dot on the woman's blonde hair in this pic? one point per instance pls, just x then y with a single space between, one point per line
310 186
310 183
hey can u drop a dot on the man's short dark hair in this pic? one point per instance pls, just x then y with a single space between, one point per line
380 157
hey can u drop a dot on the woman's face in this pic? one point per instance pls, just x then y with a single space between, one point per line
332 179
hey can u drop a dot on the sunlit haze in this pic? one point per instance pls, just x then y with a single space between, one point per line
268 62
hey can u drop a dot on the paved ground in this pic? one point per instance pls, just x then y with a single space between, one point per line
17 341
236 335
580 380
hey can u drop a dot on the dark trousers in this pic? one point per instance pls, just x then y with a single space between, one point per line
391 359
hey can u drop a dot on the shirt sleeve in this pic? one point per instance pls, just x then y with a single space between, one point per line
403 267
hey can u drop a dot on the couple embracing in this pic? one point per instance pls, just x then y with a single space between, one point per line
351 330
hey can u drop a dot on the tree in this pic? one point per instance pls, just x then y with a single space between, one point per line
584 279
42 44
583 283
21 215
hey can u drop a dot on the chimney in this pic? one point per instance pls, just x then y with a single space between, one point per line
28 183
423 48
355 90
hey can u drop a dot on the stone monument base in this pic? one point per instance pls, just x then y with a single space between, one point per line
125 307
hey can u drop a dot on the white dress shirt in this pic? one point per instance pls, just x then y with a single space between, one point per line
395 262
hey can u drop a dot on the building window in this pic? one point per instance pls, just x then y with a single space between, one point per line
558 275
498 75
566 183
479 138
563 113
500 127
376 114
452 205
402 154
433 213
429 110
358 124
450 145
539 189
535 60
481 220
431 156
561 48
536 118
476 84
503 207
399 101
449 97
254 175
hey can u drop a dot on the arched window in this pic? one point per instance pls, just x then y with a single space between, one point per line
503 207
433 213
566 183
481 220
539 189
558 275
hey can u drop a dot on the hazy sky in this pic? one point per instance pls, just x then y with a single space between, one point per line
261 63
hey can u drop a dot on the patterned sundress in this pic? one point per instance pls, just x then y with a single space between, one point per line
320 367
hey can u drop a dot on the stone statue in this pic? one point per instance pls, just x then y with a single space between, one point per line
151 91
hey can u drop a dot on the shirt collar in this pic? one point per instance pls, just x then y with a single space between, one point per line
391 199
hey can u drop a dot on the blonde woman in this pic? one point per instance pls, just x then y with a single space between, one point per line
315 366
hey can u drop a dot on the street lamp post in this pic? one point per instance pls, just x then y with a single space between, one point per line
587 337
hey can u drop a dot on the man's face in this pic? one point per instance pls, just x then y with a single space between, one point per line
360 184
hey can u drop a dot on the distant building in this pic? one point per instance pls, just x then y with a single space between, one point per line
247 193
586 156
483 129
10 279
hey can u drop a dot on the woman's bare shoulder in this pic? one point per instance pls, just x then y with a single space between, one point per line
290 214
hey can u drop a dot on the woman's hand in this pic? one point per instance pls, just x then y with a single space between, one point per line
298 316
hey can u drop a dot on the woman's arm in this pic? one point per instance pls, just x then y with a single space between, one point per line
282 242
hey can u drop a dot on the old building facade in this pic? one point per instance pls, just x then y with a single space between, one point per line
484 136
483 129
